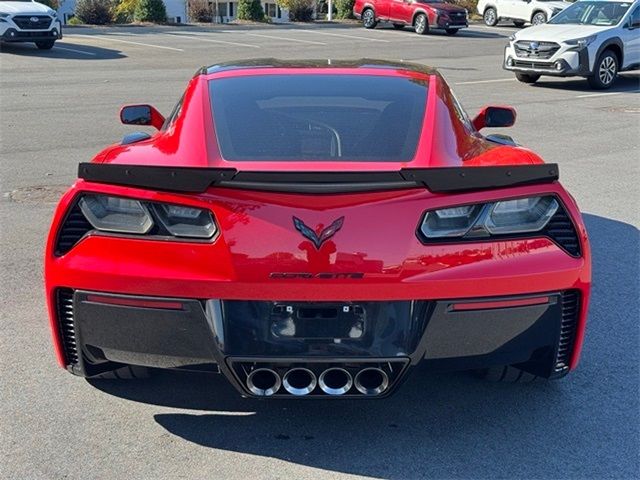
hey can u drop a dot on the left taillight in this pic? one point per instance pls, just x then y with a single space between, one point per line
133 217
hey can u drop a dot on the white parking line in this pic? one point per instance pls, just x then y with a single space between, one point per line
109 39
200 38
310 42
496 80
352 37
490 29
607 94
74 50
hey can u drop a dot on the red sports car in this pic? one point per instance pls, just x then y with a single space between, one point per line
317 229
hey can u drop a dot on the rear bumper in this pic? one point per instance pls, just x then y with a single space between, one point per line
102 331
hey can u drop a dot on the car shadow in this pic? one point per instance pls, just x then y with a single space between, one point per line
463 33
62 51
448 425
626 82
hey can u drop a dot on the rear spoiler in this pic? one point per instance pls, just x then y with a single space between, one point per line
438 180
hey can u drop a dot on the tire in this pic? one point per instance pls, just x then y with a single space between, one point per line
369 18
490 17
45 44
451 31
539 18
421 24
398 26
605 71
130 372
518 23
506 374
527 77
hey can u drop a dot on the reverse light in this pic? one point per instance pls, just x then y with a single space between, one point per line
114 214
185 221
522 215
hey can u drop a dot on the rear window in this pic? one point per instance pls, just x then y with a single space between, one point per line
318 117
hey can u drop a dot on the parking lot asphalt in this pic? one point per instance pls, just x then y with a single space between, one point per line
59 108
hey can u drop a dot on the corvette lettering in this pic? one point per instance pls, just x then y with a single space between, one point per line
327 275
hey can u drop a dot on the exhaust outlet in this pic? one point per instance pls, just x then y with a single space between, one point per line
263 382
371 381
299 381
335 381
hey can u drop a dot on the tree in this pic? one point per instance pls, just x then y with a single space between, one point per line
95 12
125 11
55 4
150 11
299 10
250 10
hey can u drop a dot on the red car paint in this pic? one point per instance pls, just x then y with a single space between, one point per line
257 236
404 12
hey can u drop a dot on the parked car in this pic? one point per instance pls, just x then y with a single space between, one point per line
342 223
422 15
595 39
519 11
29 21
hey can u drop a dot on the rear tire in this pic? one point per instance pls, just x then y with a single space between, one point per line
398 26
490 17
451 31
130 372
605 71
421 24
518 23
45 44
527 78
506 374
369 19
539 18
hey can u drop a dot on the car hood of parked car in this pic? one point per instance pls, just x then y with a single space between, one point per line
559 33
25 8
554 5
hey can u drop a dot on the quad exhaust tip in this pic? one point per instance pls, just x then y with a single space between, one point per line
335 381
371 381
299 381
263 382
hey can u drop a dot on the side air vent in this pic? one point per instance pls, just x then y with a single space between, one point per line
562 231
67 327
75 227
570 311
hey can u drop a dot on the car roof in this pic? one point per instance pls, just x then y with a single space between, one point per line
273 63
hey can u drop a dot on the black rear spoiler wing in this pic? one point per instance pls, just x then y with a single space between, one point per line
198 180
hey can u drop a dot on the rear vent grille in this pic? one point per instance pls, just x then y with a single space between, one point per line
67 327
73 229
570 311
561 230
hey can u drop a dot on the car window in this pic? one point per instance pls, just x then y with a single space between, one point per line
592 13
318 117
635 16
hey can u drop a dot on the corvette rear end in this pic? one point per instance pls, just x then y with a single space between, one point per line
312 230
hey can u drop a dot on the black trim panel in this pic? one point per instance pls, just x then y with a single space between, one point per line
198 180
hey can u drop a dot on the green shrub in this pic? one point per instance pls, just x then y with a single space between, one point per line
200 11
299 10
345 8
250 10
125 11
95 12
150 11
74 21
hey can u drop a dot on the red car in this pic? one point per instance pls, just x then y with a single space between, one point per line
422 15
316 230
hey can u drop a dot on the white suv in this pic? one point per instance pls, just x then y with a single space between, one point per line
29 21
519 11
595 39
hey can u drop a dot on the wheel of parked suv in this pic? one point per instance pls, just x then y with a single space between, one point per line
451 31
605 71
421 24
129 372
45 44
398 26
539 18
518 23
369 19
527 77
490 17
507 374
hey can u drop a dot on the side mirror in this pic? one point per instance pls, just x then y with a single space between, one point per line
141 115
495 117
